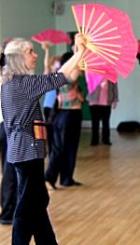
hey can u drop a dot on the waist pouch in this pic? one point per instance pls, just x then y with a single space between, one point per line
40 130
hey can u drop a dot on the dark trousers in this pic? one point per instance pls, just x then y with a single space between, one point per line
67 128
8 183
100 113
3 144
48 113
31 216
8 192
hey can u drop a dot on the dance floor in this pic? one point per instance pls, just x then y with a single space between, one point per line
105 210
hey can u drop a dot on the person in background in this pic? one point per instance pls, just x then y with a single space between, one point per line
138 53
66 132
8 182
51 64
101 101
26 135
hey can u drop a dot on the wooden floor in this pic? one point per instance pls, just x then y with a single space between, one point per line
106 209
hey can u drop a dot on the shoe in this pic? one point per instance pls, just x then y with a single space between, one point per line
107 143
94 143
5 221
50 185
72 183
77 183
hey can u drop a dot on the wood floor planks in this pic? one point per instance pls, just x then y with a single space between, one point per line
106 209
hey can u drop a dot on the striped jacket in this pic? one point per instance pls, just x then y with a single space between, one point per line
20 107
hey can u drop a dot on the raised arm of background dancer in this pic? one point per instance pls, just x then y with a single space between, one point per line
45 47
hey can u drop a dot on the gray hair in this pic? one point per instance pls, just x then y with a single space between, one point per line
15 64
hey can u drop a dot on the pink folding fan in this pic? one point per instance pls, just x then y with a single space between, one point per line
110 41
53 36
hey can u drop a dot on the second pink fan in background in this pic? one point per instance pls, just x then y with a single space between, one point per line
52 36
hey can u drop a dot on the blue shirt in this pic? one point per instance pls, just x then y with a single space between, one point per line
49 99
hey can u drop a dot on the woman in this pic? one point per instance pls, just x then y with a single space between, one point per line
21 91
101 101
66 132
9 180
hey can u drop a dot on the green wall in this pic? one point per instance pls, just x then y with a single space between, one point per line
23 18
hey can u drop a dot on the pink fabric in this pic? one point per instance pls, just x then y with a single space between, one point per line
110 31
103 99
53 36
93 80
103 93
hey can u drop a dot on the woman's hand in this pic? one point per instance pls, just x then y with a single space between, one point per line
114 105
80 42
73 62
46 45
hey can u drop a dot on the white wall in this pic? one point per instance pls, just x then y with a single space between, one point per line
129 89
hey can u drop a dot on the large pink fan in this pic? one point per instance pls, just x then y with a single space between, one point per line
93 65
94 79
111 44
53 36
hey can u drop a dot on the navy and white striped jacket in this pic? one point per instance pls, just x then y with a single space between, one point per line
20 107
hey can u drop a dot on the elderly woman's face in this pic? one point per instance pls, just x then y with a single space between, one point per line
30 58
